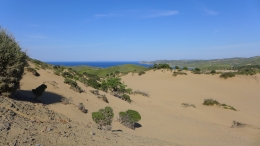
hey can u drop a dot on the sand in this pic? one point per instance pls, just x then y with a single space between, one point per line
164 120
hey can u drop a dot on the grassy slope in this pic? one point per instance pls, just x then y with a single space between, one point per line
102 72
213 64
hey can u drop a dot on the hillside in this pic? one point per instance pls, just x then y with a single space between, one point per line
165 121
103 72
211 64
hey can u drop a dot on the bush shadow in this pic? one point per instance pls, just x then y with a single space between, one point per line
137 125
46 98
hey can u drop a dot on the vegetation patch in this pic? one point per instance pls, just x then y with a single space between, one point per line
129 118
33 71
211 102
126 97
65 100
179 72
238 124
82 108
141 93
103 118
141 73
227 75
188 105
196 71
12 63
160 66
99 96
73 85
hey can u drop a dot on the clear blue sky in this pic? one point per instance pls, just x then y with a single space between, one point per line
133 30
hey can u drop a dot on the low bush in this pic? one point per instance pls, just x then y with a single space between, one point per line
126 98
175 73
238 124
129 118
82 108
210 102
67 75
213 72
12 63
103 97
103 118
33 71
227 75
65 100
39 91
141 73
73 85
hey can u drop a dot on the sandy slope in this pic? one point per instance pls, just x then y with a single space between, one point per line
164 120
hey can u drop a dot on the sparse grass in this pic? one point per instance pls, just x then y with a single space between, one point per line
33 71
65 100
211 102
99 96
141 93
238 124
188 105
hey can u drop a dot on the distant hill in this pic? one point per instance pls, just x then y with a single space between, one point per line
210 64
103 72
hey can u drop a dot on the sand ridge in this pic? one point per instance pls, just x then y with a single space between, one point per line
164 121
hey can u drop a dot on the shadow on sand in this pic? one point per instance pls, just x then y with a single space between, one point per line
46 98
137 125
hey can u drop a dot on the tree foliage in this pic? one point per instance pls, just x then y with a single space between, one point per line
12 63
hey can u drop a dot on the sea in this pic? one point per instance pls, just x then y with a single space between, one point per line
98 64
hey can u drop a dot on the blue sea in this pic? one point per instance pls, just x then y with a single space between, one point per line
96 64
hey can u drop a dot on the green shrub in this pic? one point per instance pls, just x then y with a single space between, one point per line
177 67
40 64
129 118
73 85
103 118
67 75
93 83
210 102
213 72
185 68
141 73
12 63
227 75
126 98
39 90
33 71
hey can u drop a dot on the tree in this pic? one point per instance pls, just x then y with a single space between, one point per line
12 63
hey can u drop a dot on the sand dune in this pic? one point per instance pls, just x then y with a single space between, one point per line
163 117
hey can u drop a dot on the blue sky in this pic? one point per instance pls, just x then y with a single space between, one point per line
133 30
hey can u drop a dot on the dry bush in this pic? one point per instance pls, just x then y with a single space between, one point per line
65 100
82 108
